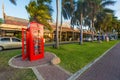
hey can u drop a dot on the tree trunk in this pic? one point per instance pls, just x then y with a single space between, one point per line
92 30
57 29
81 31
61 26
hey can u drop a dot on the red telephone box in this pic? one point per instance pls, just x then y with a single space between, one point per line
33 42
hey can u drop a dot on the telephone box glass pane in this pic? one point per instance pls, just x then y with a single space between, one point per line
37 41
25 48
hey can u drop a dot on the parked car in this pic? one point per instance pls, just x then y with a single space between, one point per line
10 42
88 39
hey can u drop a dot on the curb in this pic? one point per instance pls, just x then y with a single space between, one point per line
63 70
37 74
10 63
78 73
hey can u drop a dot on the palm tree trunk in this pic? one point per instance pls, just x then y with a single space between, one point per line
81 31
57 29
61 26
92 30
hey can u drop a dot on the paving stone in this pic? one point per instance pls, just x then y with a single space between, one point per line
39 67
53 72
18 62
107 68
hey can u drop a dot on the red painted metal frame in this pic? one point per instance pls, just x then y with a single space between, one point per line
36 36
24 44
34 42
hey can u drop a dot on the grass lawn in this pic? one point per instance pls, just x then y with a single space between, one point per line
9 73
74 57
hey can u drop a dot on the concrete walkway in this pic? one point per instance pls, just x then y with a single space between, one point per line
106 67
43 68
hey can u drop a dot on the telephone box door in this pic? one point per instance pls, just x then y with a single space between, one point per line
24 44
36 41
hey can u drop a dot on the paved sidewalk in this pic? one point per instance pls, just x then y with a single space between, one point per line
43 68
107 68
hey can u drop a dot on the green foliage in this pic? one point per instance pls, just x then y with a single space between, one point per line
19 35
74 57
13 73
1 20
103 15
13 1
67 8
40 12
90 9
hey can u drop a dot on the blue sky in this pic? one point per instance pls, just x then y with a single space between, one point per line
19 9
12 10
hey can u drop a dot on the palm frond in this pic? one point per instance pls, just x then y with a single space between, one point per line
106 3
13 1
107 10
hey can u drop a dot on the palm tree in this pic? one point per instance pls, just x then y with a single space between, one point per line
115 24
67 7
65 12
13 1
95 7
35 16
79 15
98 7
86 10
57 33
40 12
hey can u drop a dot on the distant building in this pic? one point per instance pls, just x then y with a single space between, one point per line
12 26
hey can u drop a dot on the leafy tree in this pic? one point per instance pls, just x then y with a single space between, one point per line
98 7
102 14
66 11
40 12
13 1
115 25
80 13
67 7
1 20
86 12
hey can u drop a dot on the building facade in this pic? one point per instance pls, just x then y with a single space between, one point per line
12 26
